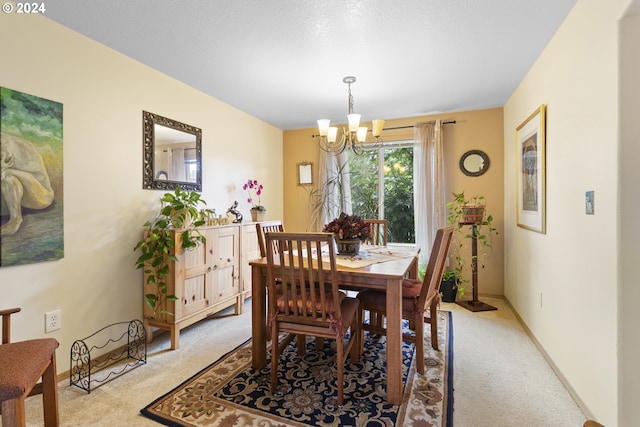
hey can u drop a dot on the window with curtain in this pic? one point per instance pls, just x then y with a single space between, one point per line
382 187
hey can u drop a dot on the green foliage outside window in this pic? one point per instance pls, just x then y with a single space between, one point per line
398 190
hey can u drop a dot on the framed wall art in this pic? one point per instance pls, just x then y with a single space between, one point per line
530 171
31 197
305 173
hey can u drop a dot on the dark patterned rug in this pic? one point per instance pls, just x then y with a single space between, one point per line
230 392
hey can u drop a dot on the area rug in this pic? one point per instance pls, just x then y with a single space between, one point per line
230 392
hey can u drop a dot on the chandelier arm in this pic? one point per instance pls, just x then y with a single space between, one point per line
336 147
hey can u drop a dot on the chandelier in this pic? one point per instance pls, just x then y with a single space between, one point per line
353 138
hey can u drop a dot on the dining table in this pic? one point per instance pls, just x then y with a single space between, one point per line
375 267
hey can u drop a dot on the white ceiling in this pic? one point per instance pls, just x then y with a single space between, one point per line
283 60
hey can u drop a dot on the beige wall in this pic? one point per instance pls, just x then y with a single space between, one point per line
480 129
104 94
573 265
629 227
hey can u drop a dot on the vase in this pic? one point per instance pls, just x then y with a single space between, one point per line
257 215
348 246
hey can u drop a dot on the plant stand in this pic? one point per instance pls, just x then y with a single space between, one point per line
475 305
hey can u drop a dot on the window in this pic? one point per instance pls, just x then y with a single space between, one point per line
382 187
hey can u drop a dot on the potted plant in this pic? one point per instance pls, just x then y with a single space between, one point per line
257 210
349 231
179 210
450 285
465 211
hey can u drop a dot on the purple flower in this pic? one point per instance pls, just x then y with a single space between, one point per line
250 185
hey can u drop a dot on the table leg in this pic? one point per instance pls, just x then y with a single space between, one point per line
258 317
394 341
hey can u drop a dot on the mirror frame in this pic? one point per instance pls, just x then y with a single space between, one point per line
485 159
149 181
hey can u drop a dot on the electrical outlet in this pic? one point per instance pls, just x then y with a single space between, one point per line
52 321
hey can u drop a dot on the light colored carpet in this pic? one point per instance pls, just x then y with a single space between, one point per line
500 379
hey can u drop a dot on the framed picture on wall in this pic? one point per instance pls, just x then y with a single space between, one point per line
530 172
31 160
305 173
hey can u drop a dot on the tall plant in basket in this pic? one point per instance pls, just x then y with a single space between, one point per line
464 212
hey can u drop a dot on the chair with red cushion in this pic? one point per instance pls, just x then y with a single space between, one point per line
417 298
22 364
309 301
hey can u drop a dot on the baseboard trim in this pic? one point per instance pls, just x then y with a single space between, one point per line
574 395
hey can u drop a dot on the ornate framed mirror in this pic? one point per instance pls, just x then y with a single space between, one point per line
474 163
172 154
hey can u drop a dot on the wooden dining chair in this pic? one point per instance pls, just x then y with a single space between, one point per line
417 298
379 230
267 227
22 364
310 302
270 227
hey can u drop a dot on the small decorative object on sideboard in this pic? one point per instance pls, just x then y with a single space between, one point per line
233 210
258 211
349 231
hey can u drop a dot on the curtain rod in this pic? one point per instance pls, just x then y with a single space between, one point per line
452 122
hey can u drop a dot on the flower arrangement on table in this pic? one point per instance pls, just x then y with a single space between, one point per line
348 227
253 185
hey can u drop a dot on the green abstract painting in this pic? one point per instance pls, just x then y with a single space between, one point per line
31 184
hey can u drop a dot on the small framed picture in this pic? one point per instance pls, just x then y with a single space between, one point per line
305 173
530 170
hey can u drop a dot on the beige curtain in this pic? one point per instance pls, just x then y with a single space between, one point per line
428 181
334 187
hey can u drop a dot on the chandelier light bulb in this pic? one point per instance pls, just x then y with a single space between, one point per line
332 134
377 127
354 122
362 134
323 126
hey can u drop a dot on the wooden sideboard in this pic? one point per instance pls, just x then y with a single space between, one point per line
207 279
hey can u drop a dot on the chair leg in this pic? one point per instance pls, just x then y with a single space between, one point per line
361 329
356 332
275 355
340 367
433 321
50 394
301 340
419 330
13 414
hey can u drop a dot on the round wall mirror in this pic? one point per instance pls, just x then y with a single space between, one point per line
474 163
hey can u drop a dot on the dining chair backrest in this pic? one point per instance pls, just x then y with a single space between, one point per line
267 227
308 277
435 266
379 231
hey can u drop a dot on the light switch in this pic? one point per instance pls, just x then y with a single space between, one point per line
589 207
